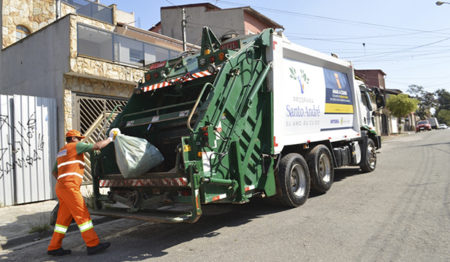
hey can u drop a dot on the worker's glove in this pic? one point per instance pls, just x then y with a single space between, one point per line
113 133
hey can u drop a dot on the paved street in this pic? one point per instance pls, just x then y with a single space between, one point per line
400 212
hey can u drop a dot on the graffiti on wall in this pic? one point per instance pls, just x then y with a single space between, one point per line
25 136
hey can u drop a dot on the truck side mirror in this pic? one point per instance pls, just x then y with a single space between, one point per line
380 101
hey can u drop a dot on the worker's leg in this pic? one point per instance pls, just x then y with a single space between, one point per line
62 223
80 213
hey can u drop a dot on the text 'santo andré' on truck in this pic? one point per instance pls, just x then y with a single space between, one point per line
251 116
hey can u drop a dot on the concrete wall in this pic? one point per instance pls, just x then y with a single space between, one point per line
125 17
35 65
253 25
220 21
372 77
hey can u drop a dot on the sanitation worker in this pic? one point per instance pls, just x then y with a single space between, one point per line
68 171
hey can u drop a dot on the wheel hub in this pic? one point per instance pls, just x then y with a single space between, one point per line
298 180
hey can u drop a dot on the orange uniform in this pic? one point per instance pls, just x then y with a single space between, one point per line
70 168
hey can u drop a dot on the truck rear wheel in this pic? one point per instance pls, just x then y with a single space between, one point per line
294 180
369 162
320 168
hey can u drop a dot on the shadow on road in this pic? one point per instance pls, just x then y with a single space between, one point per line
343 173
156 239
434 144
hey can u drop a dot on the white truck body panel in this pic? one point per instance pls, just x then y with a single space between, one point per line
313 94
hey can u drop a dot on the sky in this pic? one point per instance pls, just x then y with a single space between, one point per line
408 40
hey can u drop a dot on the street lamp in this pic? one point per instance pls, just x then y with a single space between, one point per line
441 3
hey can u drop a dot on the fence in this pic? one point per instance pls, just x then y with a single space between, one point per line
27 148
106 45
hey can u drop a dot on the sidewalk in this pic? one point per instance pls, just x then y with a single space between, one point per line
394 136
16 222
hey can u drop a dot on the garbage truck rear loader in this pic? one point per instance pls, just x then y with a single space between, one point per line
252 116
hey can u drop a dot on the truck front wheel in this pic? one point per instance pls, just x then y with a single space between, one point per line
320 168
294 180
369 162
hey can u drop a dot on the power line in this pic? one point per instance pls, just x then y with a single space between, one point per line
357 37
339 20
400 50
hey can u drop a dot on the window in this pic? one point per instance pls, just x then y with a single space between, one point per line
95 43
106 45
21 32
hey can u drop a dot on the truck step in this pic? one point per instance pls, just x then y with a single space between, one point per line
157 217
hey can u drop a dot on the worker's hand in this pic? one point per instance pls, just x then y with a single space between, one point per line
113 133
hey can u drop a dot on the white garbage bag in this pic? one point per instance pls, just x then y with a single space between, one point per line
135 156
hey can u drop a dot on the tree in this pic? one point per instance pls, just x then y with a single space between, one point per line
401 105
444 116
426 100
443 110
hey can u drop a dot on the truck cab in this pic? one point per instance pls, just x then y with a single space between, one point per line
365 105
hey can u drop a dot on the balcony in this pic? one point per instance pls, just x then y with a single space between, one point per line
91 9
105 45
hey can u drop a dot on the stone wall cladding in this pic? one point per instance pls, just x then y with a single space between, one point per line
67 9
34 15
67 110
110 70
97 87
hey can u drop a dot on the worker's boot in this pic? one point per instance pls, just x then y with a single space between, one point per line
59 252
98 248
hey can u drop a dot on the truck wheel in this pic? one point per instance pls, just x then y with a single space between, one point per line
294 180
369 163
320 168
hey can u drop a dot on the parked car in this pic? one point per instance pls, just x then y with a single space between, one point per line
423 125
443 126
433 122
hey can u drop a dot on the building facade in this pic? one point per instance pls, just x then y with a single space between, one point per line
231 21
87 56
374 80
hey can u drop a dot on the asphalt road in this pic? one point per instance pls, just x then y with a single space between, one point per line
399 212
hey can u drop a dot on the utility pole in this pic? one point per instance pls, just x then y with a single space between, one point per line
183 29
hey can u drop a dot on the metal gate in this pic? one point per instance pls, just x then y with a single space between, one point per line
89 108
95 114
27 148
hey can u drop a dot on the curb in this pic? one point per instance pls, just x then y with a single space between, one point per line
13 242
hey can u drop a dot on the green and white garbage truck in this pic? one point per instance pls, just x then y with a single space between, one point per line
249 116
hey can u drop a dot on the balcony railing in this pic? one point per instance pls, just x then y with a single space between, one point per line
109 46
91 9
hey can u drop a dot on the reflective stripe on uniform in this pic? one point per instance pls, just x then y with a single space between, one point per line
70 174
62 153
60 229
86 226
71 162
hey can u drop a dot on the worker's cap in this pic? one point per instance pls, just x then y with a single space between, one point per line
74 133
